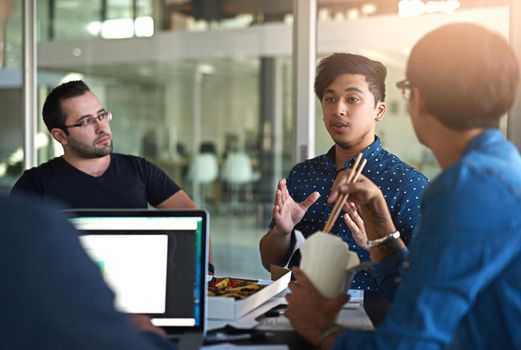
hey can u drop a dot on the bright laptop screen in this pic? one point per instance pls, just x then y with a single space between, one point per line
154 261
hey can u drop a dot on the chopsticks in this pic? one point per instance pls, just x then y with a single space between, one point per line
341 200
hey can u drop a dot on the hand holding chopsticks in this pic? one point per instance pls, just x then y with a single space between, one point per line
356 170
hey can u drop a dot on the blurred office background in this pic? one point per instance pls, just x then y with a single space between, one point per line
204 89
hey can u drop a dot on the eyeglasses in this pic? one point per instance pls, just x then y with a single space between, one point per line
90 121
405 87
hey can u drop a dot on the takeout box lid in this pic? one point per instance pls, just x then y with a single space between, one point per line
229 308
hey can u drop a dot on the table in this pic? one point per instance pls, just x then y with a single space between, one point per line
279 330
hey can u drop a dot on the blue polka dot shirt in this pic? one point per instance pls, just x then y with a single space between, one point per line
401 184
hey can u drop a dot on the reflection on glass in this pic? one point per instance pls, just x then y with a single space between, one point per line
76 19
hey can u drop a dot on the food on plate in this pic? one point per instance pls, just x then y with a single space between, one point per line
232 287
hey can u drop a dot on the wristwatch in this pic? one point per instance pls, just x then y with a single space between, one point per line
379 241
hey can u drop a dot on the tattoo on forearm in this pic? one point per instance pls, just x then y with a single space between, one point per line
378 218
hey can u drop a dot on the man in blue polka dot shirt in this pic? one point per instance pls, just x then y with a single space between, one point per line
351 90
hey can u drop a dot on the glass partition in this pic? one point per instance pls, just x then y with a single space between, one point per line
356 28
219 123
206 84
11 132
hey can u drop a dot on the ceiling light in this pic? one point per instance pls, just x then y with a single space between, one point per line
206 68
368 9
144 26
353 14
94 28
412 8
117 28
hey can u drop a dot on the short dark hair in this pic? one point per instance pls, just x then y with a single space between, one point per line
467 74
53 115
337 64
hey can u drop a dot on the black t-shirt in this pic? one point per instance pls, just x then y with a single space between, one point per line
128 182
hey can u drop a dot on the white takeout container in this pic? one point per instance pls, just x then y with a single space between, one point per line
328 263
228 308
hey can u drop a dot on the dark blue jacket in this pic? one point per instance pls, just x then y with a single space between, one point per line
52 295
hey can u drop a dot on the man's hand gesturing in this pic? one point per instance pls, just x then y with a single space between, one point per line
286 212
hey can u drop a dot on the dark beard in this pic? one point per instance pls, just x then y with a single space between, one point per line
92 153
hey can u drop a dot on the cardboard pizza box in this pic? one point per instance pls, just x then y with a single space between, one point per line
277 272
227 308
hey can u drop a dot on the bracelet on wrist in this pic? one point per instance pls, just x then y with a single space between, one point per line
379 241
327 332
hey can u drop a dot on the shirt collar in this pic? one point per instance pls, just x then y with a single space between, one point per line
369 153
484 139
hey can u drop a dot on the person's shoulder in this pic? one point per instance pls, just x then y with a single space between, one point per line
499 176
477 183
25 210
49 165
500 160
401 169
43 173
310 164
469 198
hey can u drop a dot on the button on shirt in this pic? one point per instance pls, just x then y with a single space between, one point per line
401 184
460 285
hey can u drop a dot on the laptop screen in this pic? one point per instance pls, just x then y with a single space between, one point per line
155 261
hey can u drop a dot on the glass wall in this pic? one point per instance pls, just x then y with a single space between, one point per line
208 106
357 28
11 116
207 84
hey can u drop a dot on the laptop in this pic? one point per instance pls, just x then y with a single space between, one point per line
156 263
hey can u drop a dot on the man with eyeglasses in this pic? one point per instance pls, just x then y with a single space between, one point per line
458 286
89 175
351 90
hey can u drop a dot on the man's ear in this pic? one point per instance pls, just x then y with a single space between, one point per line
418 104
381 108
60 136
